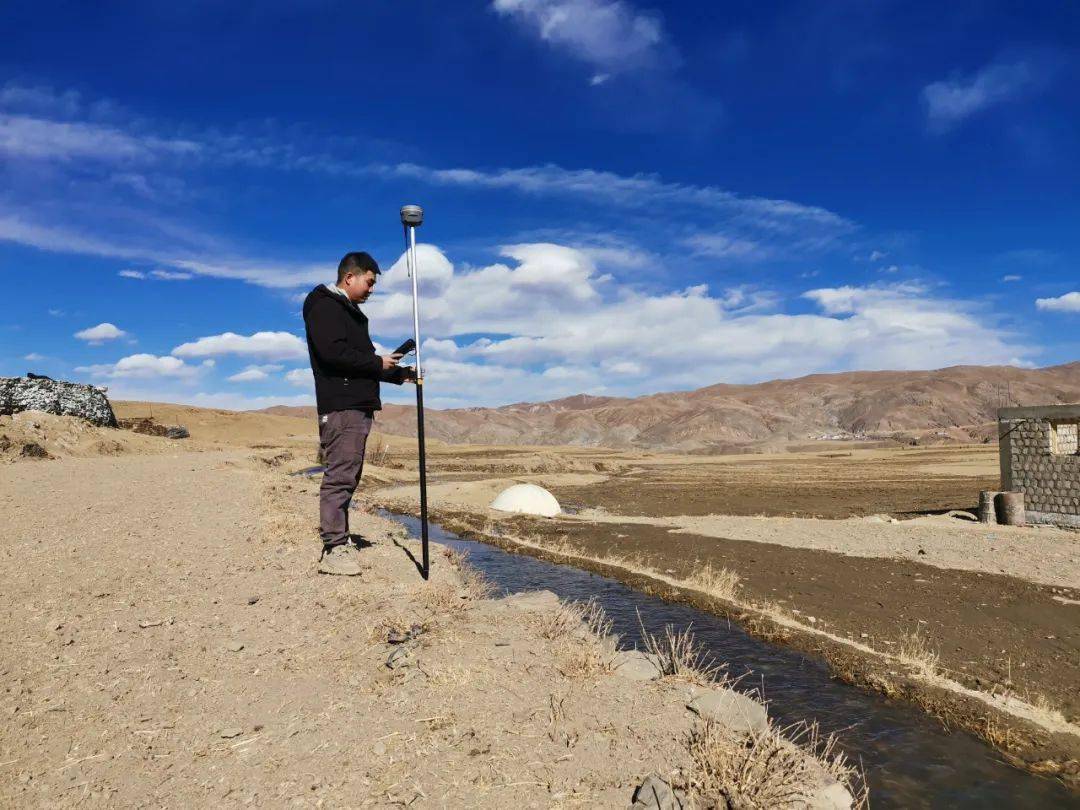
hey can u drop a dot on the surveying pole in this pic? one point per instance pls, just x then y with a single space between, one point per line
412 217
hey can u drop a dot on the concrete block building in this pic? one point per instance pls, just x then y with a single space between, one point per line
1040 456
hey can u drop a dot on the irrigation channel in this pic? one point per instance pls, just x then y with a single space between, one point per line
909 759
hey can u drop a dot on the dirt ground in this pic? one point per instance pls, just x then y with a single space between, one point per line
167 642
833 484
157 530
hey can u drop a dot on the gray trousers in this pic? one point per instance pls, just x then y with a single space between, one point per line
343 438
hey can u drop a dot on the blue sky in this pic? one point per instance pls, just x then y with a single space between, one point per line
622 197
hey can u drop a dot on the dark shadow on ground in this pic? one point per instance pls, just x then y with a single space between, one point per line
409 554
360 541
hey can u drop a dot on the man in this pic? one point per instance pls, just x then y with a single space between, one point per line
347 375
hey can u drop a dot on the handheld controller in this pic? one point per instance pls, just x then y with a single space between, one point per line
405 347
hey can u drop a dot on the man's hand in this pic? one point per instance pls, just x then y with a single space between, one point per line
389 361
409 374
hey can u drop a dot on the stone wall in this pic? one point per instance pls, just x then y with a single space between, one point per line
1039 458
88 402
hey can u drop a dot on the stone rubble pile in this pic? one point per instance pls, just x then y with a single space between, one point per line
88 402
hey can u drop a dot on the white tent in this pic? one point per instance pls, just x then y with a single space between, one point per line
527 499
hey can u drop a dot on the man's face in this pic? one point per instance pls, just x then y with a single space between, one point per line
359 286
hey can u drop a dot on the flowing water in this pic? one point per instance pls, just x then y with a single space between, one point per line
910 761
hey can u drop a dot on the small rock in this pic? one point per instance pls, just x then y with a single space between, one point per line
177 432
229 733
832 796
236 646
656 794
729 708
252 600
635 665
533 601
378 749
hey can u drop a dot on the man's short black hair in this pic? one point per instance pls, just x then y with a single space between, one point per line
356 262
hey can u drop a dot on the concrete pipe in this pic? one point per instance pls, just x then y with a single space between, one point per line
1009 508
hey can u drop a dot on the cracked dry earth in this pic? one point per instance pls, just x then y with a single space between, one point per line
167 642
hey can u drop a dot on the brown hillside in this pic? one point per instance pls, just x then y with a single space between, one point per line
949 404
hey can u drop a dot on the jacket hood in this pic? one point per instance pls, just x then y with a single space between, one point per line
320 292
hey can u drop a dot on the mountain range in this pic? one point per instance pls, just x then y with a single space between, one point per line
945 405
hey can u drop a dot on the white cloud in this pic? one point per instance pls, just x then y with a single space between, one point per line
300 377
78 149
265 345
99 333
39 99
14 227
56 313
1011 278
608 34
951 101
255 373
248 375
564 331
644 191
892 268
27 137
876 255
143 367
34 357
720 246
547 279
160 275
1069 302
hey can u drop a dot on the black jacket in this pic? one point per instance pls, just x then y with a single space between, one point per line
347 370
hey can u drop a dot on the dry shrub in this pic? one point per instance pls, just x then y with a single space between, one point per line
767 770
396 624
586 659
916 652
1046 707
573 617
679 656
442 598
281 521
475 584
586 644
723 583
377 451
